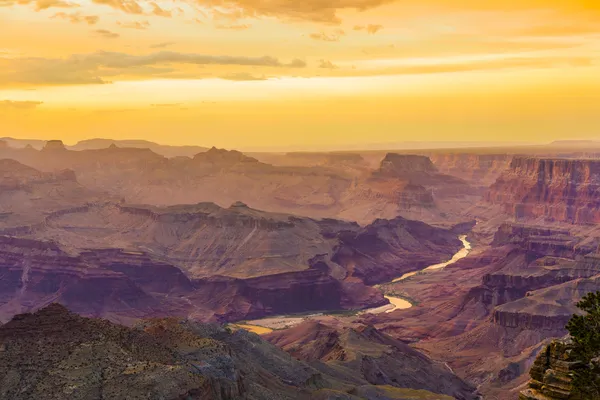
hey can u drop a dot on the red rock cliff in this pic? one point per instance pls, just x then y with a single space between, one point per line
553 189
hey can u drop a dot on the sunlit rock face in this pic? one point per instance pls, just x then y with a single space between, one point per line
551 374
478 169
561 190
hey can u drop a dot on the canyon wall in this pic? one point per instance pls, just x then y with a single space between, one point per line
561 190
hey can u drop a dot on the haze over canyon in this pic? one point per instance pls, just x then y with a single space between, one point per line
394 274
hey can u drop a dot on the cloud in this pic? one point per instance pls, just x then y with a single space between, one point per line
372 29
326 64
231 15
482 65
107 34
77 18
161 45
243 76
156 10
239 27
95 68
45 4
322 11
333 37
19 105
39 4
127 6
140 25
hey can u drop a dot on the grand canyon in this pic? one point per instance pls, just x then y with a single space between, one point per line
440 274
299 199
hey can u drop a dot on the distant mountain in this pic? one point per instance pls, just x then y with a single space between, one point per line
22 143
576 143
163 150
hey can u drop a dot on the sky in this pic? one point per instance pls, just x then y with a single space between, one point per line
310 74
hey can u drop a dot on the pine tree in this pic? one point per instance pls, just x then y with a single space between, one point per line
585 333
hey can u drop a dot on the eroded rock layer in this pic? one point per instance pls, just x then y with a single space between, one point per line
563 190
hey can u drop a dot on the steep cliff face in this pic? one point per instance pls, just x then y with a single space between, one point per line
419 170
478 169
387 249
124 286
551 374
554 189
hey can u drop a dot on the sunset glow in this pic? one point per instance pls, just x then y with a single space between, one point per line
318 74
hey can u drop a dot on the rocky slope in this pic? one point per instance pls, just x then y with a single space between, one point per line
122 261
54 353
489 315
562 190
365 353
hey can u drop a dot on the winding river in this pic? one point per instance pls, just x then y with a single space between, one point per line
267 325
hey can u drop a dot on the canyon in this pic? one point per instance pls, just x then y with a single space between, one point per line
132 234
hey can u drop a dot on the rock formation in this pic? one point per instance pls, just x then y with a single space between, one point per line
54 353
562 190
349 190
368 354
551 374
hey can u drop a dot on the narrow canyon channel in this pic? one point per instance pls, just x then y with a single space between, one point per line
269 324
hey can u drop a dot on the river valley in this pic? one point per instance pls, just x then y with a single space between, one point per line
267 325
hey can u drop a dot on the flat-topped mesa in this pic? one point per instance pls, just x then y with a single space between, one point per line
563 190
402 165
223 157
53 145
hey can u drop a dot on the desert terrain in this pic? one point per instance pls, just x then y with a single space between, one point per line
375 271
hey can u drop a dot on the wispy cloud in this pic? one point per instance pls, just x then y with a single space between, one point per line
77 18
372 29
161 45
95 68
335 36
106 34
158 11
140 25
310 10
234 27
127 6
243 76
19 105
326 64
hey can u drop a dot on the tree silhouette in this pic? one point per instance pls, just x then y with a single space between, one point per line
585 333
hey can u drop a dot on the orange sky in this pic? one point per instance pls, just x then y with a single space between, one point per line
312 73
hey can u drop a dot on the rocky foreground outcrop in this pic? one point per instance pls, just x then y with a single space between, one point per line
55 354
551 374
562 190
